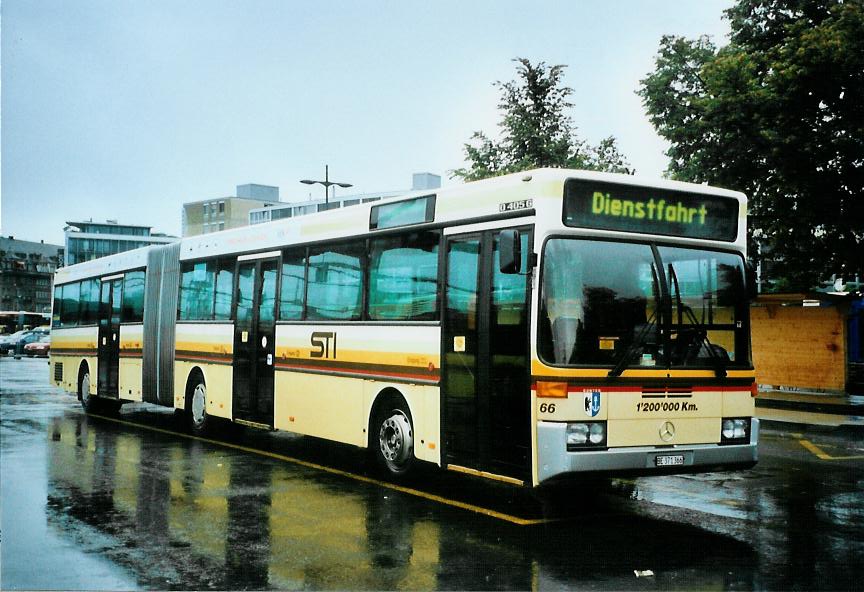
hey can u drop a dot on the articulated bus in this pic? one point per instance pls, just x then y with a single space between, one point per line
524 328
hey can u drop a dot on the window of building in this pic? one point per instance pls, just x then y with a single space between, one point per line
303 210
221 207
403 278
335 282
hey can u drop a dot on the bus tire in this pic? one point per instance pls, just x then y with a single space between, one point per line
89 403
196 405
391 437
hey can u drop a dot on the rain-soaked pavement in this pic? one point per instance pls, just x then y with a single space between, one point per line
97 503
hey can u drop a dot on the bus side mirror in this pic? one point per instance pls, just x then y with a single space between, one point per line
510 251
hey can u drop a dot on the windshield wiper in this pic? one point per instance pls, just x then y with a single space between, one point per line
639 341
700 332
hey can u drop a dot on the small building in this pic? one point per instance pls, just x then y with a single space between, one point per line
26 274
310 206
92 240
221 213
424 181
420 182
807 342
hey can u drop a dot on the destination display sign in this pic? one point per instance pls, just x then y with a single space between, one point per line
403 213
628 208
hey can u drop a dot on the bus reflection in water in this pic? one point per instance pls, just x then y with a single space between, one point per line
195 516
522 329
210 519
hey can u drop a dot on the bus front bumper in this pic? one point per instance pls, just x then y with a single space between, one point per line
554 460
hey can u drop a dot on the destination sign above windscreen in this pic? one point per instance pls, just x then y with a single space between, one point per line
613 206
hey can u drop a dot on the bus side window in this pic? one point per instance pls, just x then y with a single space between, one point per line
335 282
403 278
57 313
196 291
69 316
90 302
224 287
293 291
133 297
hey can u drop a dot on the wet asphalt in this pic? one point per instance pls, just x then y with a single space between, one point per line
129 502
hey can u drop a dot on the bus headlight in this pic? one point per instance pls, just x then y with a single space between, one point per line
577 434
584 435
735 430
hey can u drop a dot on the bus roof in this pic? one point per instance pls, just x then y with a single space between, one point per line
467 202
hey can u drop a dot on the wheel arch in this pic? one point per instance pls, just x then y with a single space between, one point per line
83 367
385 396
192 377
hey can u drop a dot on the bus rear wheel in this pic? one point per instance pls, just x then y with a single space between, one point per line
392 439
196 407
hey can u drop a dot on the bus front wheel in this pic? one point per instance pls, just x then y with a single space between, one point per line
97 405
88 401
392 439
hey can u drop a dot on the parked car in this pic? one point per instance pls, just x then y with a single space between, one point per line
7 342
12 337
14 344
39 348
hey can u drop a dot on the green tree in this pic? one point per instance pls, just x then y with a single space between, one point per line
536 130
779 114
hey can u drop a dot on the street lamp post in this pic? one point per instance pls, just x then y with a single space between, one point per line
326 183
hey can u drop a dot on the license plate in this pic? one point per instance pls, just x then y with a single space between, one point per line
669 461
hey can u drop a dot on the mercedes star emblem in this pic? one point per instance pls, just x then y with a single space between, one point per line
667 431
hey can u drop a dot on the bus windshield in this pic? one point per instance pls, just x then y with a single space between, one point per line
624 304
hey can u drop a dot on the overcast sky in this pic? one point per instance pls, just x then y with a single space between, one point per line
125 110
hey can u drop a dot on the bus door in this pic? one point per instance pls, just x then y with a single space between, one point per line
255 341
110 297
486 357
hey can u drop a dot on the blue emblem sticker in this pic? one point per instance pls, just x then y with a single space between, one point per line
592 403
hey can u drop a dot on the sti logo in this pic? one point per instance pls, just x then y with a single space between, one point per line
592 403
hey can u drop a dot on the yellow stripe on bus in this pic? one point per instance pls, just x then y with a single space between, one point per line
540 369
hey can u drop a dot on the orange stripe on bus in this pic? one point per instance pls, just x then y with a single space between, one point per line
342 370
